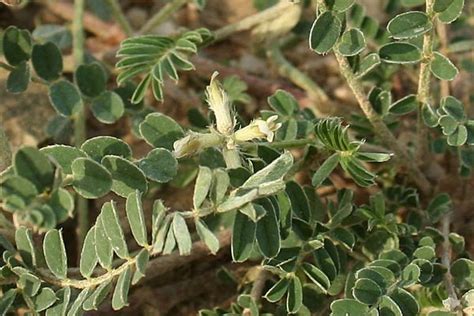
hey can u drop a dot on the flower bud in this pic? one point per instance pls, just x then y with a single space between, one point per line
195 142
219 103
258 129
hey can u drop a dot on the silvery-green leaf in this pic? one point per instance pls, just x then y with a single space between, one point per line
136 218
113 230
55 253
88 259
207 236
120 296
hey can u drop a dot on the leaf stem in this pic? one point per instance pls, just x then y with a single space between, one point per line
162 15
253 20
423 94
120 17
79 119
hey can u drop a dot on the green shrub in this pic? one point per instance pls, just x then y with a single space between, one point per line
380 245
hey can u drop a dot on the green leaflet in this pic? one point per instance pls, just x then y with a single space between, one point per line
103 246
88 259
366 291
7 300
352 42
136 218
404 106
451 12
277 291
25 246
141 263
91 180
400 53
120 296
387 306
159 130
283 102
60 307
97 296
317 276
47 61
159 165
207 236
182 235
268 230
34 166
407 303
90 79
442 68
101 146
16 45
243 236
126 177
55 253
63 155
44 299
294 297
76 307
202 186
409 24
324 32
113 230
108 107
325 170
19 78
274 171
348 307
65 98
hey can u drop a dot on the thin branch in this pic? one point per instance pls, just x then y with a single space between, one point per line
5 151
453 300
257 288
120 17
79 119
253 20
444 48
162 15
155 268
286 69
423 94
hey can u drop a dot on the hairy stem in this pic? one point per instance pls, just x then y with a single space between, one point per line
156 267
423 94
162 15
286 69
446 260
5 151
120 17
253 20
80 119
444 43
257 288
380 128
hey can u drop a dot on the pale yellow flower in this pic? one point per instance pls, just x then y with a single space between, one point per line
258 129
219 103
